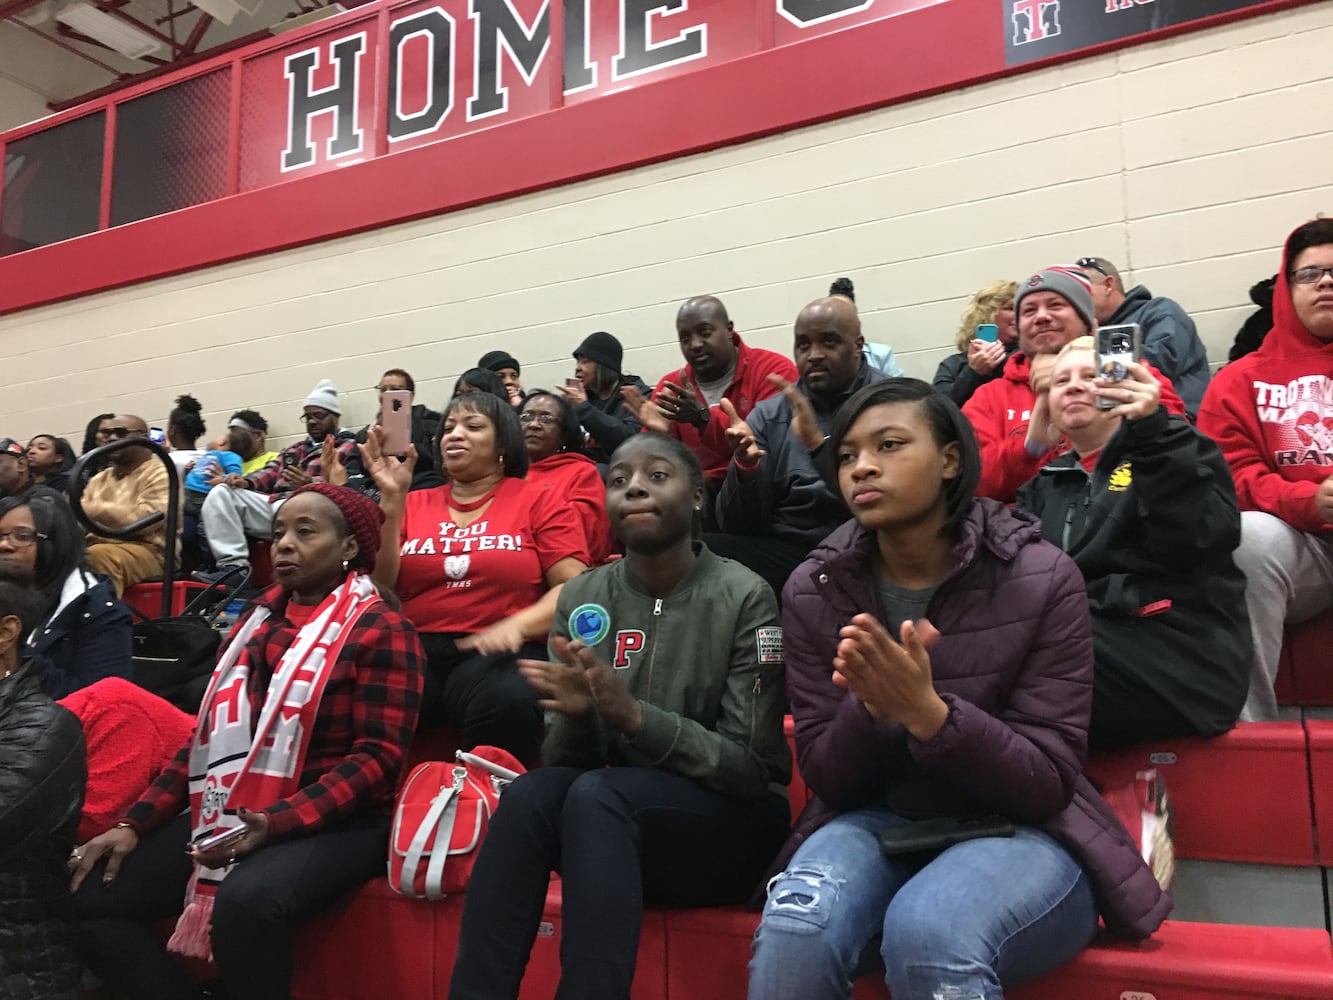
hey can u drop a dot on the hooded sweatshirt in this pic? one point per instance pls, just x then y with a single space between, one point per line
1272 414
999 412
1170 341
749 387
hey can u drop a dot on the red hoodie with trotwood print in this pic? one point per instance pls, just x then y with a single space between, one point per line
1272 414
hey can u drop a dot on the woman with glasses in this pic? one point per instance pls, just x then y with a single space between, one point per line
84 632
478 564
554 441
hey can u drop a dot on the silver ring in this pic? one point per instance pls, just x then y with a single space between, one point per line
76 854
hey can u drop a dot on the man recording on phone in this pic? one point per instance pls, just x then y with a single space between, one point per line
247 504
1053 306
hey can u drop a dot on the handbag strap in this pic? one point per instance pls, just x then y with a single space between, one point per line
439 848
437 816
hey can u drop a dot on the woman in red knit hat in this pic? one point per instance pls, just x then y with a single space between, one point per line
278 804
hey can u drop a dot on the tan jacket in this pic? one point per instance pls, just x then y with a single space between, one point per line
116 501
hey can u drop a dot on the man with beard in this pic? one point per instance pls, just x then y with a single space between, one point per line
687 403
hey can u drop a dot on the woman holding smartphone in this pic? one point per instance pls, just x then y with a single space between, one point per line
987 335
478 563
279 803
918 696
1145 506
666 766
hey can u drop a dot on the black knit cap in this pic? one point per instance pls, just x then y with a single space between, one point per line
602 348
496 360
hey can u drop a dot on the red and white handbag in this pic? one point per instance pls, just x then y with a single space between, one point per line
442 815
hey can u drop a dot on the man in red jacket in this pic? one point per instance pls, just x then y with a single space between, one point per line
718 364
1009 413
1272 413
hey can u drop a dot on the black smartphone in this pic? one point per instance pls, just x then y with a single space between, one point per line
937 834
289 459
1117 346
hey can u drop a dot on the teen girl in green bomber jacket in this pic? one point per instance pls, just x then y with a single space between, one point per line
667 667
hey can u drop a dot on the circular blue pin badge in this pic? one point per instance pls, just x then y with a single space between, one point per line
589 623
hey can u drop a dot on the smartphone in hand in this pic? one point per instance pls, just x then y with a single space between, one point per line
226 838
988 332
395 421
1117 346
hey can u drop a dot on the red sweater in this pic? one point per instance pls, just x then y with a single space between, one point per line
1272 414
749 387
999 413
131 736
575 479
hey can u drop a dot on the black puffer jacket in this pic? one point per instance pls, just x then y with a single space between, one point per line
42 774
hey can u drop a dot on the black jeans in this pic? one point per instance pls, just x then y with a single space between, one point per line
771 557
484 696
255 912
616 835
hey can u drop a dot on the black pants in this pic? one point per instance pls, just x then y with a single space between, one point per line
771 557
616 835
256 909
484 696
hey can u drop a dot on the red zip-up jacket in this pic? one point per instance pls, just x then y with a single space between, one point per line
1272 413
749 387
999 413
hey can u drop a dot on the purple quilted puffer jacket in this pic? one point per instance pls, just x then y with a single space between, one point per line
1014 664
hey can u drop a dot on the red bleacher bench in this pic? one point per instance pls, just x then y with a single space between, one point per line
146 598
1320 732
1243 796
708 951
1305 673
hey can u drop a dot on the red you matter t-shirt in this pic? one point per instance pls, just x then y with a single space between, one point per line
454 579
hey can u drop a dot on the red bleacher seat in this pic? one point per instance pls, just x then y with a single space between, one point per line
146 598
1242 796
1320 732
1305 676
708 951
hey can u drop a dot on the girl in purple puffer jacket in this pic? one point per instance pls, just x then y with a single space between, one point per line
939 657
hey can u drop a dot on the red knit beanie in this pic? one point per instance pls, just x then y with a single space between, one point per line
362 514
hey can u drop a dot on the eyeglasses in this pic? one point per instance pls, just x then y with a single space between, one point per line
1092 263
545 419
1310 275
315 417
115 432
21 538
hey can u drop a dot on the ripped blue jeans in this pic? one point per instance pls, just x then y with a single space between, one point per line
961 925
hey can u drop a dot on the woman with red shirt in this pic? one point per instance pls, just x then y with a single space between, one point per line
554 441
478 563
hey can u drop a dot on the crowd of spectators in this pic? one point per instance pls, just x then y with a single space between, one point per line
978 581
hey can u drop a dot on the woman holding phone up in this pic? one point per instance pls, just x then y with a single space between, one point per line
478 563
917 695
666 766
285 784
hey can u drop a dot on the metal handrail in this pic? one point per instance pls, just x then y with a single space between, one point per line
95 458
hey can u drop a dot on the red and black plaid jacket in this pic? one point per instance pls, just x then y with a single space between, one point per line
366 721
308 454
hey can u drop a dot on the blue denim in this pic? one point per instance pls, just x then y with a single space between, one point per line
961 925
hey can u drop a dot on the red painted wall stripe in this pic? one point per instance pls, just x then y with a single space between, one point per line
882 62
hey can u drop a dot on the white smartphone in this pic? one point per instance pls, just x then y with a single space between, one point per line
1117 346
396 421
226 838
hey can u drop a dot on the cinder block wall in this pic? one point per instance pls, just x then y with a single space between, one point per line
1186 162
